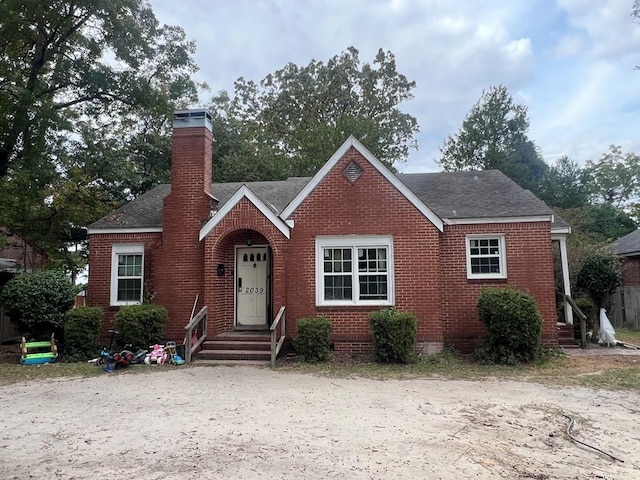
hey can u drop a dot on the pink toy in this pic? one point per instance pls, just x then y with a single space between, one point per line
157 355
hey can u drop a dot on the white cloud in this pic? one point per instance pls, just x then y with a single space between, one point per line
570 61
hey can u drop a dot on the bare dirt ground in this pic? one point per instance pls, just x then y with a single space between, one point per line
245 423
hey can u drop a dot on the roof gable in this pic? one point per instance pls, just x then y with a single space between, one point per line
244 192
378 165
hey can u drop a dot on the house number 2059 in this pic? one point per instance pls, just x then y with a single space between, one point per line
248 290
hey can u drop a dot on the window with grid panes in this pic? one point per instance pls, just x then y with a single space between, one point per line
486 257
354 271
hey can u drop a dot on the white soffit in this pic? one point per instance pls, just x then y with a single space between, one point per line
241 193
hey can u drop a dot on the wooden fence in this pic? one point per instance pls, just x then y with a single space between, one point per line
625 308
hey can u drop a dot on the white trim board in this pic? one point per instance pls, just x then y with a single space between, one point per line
110 231
245 192
480 221
378 165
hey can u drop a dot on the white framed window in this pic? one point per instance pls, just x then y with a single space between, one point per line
127 274
354 270
486 256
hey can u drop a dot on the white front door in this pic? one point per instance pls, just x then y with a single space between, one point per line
251 286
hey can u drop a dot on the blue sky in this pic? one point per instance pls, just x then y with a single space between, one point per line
570 61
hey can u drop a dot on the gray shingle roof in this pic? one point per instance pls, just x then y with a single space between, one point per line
629 245
485 194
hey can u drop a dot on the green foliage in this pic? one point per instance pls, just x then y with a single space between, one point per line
513 326
82 333
37 302
599 275
141 325
394 336
291 122
494 136
615 178
86 88
312 341
565 185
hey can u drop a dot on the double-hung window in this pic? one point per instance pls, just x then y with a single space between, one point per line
486 256
127 274
354 270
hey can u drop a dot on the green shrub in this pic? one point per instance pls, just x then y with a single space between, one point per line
82 329
312 342
37 302
394 336
513 326
141 325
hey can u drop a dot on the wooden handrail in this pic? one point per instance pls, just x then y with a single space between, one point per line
275 347
189 347
583 320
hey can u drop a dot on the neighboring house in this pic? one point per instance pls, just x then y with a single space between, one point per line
628 248
625 305
16 256
350 240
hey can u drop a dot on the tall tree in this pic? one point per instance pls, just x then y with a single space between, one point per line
615 178
493 135
565 185
291 122
79 81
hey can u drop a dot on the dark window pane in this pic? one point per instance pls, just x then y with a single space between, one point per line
129 290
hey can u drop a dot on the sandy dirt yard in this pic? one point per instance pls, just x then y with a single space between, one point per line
245 423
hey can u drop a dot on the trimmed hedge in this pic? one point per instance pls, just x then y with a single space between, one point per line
141 325
82 333
513 326
394 336
312 343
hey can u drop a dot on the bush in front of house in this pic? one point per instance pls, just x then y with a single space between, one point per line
82 329
37 302
312 342
513 326
141 325
394 335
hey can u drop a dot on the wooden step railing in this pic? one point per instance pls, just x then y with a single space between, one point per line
276 343
583 320
191 347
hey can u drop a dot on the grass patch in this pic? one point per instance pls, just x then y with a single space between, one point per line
552 367
628 335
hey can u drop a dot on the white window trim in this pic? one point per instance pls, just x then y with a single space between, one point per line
503 256
354 241
124 249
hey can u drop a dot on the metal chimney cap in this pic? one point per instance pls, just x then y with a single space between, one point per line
198 117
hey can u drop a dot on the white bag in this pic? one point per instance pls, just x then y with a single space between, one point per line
607 333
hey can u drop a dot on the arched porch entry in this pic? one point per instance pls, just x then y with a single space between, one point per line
241 292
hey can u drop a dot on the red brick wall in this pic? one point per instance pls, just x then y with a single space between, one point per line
370 206
186 209
99 282
631 271
529 268
242 222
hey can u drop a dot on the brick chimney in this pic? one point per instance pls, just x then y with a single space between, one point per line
186 209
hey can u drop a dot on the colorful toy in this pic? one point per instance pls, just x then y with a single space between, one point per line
34 353
157 355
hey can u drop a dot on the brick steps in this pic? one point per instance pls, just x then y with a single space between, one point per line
237 348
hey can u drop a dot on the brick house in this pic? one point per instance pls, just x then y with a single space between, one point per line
350 240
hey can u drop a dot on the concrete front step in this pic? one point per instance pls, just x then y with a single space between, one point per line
236 345
234 355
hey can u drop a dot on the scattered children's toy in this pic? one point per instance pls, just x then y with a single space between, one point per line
112 361
157 355
34 353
